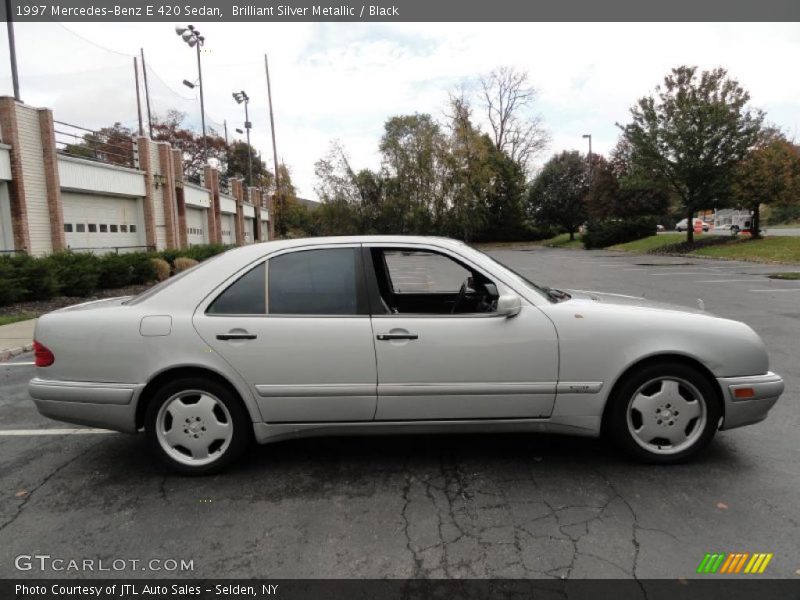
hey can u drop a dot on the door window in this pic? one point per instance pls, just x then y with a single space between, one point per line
246 296
327 281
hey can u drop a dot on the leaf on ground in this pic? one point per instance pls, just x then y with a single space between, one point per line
722 506
21 494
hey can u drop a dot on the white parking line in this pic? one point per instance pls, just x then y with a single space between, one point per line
792 290
635 269
17 364
681 273
721 280
26 432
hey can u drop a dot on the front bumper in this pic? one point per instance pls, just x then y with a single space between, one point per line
743 411
106 405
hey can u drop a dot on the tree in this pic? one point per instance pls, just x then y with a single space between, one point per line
557 196
769 174
238 165
110 144
509 100
170 129
692 133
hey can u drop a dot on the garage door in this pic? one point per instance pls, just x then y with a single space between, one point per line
102 223
228 232
249 230
195 226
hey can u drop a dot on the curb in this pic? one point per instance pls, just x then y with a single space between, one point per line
8 353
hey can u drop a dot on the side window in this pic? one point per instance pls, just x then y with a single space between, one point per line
317 282
420 272
246 296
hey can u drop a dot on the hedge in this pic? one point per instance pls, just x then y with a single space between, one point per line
603 234
80 274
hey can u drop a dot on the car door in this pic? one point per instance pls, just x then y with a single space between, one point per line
297 329
476 365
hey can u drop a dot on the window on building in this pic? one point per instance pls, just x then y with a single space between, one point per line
123 228
67 227
80 227
113 228
103 228
246 296
132 228
317 282
92 227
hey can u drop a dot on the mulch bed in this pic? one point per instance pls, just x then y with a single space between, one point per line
40 307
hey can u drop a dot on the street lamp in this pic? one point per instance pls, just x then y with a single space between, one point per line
242 97
588 136
193 39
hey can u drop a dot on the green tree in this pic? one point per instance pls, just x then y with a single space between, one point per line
769 174
170 128
238 165
692 133
557 196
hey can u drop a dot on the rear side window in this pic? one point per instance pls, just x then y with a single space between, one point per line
246 296
327 281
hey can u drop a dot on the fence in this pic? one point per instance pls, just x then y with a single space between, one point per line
111 146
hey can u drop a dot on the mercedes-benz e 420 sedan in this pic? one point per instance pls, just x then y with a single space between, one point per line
367 335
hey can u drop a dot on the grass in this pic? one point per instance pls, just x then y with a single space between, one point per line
651 243
7 320
786 275
769 249
562 241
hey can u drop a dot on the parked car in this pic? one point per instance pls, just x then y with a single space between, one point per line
681 226
391 334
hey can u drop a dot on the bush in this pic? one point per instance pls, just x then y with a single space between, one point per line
78 273
182 263
11 289
204 252
602 234
36 276
170 255
161 268
142 269
120 270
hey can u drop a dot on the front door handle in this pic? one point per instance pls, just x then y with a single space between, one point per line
397 336
236 336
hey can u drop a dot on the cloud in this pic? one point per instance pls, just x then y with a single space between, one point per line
342 81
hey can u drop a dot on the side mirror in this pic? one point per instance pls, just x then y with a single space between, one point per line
509 305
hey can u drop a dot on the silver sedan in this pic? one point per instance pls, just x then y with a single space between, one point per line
370 335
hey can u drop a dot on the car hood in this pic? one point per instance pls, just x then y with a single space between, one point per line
638 301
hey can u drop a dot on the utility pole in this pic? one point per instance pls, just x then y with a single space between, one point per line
147 96
12 51
274 151
138 98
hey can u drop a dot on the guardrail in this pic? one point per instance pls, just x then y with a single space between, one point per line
108 146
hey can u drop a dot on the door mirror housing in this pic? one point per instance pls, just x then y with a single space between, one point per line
509 305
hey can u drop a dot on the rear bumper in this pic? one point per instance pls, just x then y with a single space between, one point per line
107 405
766 389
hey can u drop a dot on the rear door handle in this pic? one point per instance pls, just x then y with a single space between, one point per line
397 336
236 336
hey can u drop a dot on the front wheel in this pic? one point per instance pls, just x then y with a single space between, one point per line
664 413
197 426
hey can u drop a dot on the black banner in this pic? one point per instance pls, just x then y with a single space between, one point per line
351 589
403 10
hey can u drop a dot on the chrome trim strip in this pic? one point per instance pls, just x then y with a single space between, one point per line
81 391
465 389
316 390
579 387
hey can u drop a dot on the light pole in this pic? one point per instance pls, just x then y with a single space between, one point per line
192 37
243 97
588 136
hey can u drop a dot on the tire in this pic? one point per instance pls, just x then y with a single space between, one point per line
644 420
213 426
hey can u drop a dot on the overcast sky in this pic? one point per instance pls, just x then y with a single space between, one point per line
341 81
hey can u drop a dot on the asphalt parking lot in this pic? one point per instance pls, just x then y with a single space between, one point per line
431 506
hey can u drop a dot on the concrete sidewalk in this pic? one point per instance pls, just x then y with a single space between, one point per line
16 338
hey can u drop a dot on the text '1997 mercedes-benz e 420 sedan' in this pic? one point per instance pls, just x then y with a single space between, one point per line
368 335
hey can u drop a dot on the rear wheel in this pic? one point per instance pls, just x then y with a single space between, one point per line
197 426
664 413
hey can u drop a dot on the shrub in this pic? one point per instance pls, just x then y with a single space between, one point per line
78 273
115 271
36 276
182 263
170 255
161 268
11 289
204 252
602 234
142 268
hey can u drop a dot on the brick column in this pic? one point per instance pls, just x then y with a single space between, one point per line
16 187
211 180
180 197
255 199
238 189
149 211
168 194
51 179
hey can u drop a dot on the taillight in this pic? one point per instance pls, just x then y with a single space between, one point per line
42 354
